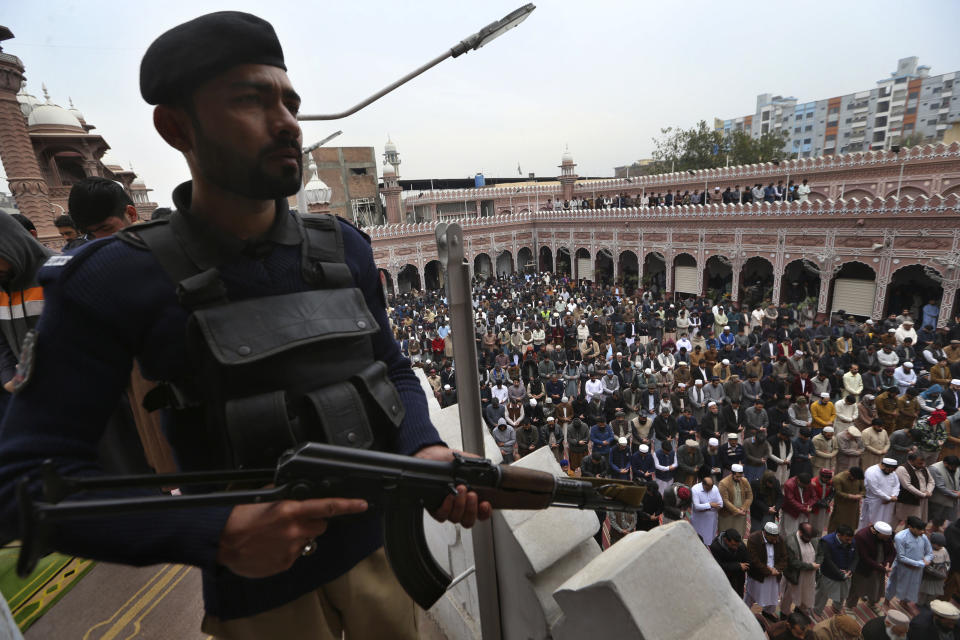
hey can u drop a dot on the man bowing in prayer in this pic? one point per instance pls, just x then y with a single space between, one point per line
882 488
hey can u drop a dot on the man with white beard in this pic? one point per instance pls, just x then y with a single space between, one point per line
882 488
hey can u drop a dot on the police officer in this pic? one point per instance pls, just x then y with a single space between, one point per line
232 277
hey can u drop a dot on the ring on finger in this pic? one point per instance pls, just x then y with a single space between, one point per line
309 548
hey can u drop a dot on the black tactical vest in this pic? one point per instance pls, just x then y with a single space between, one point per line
265 374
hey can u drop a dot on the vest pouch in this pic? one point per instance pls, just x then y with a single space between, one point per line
257 430
294 342
336 415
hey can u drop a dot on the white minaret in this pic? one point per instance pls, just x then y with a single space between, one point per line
391 157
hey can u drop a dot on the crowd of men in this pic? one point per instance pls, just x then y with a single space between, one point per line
730 195
818 460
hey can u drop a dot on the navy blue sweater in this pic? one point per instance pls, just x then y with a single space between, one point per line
111 303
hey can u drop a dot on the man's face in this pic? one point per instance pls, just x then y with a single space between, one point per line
887 470
107 227
945 623
733 545
244 137
798 631
846 540
737 477
708 483
68 233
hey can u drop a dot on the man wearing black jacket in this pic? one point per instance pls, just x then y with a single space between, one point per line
731 554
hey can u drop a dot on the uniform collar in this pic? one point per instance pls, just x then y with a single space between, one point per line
284 230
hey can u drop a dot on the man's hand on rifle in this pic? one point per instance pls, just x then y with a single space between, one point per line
261 540
465 508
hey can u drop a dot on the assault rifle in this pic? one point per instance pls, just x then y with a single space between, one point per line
400 486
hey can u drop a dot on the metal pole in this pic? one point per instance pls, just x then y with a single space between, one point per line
450 251
900 179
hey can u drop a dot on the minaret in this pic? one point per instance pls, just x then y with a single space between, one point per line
391 183
27 184
568 176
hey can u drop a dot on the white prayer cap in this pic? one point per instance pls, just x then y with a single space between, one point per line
825 395
690 443
619 354
671 306
853 431
711 404
622 440
725 362
869 321
664 370
644 449
733 436
772 528
564 399
713 442
726 328
908 321
944 609
533 402
446 387
828 429
680 385
890 462
648 371
736 468
698 381
899 617
908 365
955 382
551 419
883 527
798 353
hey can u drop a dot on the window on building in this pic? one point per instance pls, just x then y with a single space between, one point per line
765 128
799 117
358 171
935 90
765 116
899 81
879 136
809 114
907 128
365 211
806 141
883 107
948 84
846 134
912 109
880 121
945 104
931 122
797 129
884 92
833 110
913 95
830 137
809 127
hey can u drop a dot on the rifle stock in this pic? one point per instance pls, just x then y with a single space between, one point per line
401 486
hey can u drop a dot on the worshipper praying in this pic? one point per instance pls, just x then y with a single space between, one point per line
913 553
707 502
882 486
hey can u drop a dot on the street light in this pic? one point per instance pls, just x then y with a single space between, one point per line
479 39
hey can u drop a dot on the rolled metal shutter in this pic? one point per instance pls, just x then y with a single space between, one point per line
685 280
585 269
855 297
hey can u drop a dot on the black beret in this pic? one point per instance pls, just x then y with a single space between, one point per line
184 57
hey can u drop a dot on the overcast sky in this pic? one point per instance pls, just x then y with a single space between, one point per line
602 77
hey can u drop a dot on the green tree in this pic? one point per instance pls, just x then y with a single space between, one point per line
910 140
703 148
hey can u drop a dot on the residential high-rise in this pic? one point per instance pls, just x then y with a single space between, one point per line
910 104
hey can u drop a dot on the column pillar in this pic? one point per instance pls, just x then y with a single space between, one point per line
736 266
826 277
946 302
777 285
26 182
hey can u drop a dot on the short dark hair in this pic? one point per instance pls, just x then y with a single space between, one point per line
24 221
798 619
953 461
844 530
94 199
916 523
162 213
856 472
65 221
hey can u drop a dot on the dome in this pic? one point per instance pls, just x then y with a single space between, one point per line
390 147
567 157
53 115
388 170
27 101
75 111
316 191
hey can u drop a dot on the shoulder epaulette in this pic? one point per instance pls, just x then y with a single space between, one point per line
131 234
355 227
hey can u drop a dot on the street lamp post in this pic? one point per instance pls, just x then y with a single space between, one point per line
471 43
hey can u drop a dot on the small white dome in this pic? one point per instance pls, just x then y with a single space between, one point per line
316 190
567 157
75 111
390 147
138 182
27 102
388 170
